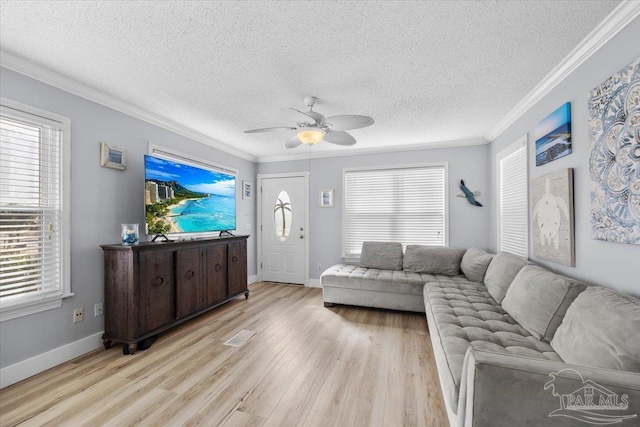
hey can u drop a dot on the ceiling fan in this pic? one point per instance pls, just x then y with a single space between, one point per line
331 129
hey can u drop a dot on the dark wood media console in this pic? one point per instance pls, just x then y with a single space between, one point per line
150 287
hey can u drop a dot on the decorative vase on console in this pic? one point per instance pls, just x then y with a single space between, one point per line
130 234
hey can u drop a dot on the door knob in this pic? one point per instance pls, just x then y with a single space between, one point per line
302 236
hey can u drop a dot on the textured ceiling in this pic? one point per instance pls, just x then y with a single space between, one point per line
427 72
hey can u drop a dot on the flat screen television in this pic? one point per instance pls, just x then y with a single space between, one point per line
181 198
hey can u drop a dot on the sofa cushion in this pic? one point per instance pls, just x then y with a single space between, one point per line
463 315
381 255
538 299
501 271
433 259
601 329
474 264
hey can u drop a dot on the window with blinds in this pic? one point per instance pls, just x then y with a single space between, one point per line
513 228
33 248
401 204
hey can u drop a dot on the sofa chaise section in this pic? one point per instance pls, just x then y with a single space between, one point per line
371 287
388 277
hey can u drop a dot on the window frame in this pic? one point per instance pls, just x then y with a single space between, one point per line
443 165
519 144
23 305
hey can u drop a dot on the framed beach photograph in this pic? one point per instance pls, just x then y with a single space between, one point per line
553 135
326 198
247 190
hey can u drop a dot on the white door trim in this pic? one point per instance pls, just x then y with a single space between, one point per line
260 177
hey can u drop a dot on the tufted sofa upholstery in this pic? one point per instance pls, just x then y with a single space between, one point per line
463 315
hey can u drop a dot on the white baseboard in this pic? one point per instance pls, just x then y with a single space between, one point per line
313 283
252 279
40 363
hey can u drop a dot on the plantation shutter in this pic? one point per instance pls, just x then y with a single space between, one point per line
513 229
30 206
404 205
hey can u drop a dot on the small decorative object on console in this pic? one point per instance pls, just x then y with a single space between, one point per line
130 234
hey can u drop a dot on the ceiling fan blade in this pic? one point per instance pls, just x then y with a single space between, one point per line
293 142
269 129
348 122
339 138
315 116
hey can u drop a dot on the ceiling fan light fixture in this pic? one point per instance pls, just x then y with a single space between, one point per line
311 136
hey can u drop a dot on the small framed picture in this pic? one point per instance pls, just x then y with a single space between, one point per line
247 190
326 198
112 157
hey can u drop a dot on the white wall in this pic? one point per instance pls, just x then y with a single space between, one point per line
467 224
101 199
597 262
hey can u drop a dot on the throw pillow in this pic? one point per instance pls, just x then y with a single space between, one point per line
600 330
474 264
501 271
538 300
433 259
381 255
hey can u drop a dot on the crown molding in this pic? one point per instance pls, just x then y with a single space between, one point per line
59 81
617 20
358 152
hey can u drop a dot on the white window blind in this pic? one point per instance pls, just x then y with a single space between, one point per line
513 200
33 258
404 204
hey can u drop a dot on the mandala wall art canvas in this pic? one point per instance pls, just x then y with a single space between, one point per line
614 165
553 135
552 204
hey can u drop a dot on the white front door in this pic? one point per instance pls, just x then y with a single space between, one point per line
283 233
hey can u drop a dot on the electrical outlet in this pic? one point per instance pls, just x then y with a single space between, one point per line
97 310
78 315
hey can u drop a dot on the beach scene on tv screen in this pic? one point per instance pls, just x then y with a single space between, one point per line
180 198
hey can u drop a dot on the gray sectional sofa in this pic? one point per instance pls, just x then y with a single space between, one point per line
514 343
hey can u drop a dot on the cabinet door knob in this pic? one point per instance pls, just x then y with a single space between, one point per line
189 274
159 281
235 258
218 267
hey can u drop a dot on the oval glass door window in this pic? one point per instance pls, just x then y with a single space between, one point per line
282 216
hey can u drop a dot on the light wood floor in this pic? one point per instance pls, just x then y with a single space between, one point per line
307 365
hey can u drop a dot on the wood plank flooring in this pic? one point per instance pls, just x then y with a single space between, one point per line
307 366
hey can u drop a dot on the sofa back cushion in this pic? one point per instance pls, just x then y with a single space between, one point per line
538 300
601 329
501 271
474 264
433 259
381 255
